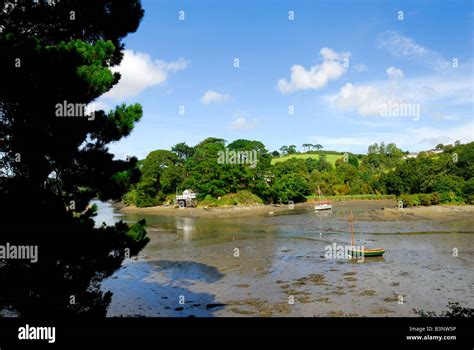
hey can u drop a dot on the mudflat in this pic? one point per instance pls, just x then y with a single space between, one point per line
387 213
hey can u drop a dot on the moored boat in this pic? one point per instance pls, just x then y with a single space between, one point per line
323 205
366 252
353 251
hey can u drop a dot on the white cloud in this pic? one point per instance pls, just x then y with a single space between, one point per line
434 140
241 122
431 136
139 72
450 90
447 117
402 46
360 68
330 55
317 76
366 99
211 96
394 73
434 93
412 139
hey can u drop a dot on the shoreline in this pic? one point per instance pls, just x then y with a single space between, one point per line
284 256
388 213
439 213
238 211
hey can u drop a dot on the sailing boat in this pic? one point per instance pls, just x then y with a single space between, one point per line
353 251
323 205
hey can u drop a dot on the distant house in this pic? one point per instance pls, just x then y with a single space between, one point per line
415 154
435 151
410 155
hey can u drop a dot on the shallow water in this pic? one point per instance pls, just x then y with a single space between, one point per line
191 267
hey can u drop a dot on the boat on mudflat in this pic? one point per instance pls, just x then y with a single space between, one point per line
366 252
323 205
353 251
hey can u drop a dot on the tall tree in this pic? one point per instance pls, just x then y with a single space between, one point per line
284 150
55 160
292 149
182 150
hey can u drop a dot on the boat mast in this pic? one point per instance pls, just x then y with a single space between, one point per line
352 228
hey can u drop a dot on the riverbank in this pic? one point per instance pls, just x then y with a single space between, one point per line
282 256
219 212
442 213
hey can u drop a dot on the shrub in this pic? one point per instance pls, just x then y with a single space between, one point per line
244 198
130 197
208 201
453 310
450 197
424 199
144 202
469 199
240 198
137 232
448 183
291 187
407 200
341 190
139 199
468 191
435 198
445 197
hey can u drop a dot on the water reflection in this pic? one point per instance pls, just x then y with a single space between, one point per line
105 213
185 227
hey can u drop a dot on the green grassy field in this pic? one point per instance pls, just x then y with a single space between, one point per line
331 158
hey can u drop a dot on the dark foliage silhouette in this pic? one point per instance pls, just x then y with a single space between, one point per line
52 166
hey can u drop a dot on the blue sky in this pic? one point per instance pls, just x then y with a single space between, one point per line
337 63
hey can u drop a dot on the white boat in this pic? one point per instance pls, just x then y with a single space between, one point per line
322 204
323 207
